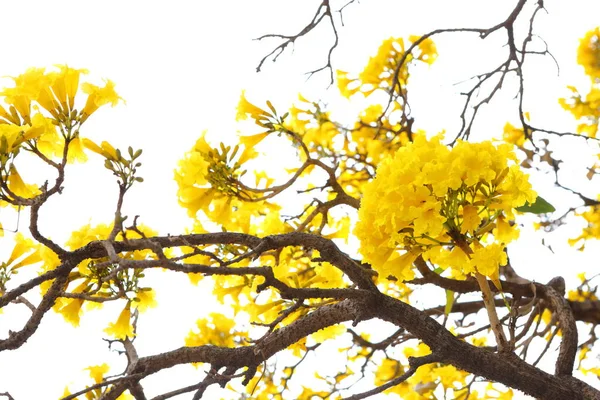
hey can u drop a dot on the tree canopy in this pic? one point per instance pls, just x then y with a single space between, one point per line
380 261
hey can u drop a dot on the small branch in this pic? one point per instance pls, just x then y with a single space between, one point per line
488 300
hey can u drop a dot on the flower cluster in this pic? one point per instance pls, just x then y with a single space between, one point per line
217 330
39 115
588 53
586 108
453 206
384 69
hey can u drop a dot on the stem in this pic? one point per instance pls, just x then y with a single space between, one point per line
488 300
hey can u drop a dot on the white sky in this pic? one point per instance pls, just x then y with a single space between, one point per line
181 66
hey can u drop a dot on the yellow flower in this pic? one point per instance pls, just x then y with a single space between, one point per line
344 83
246 108
504 232
488 259
105 149
97 372
27 87
588 53
76 152
50 258
471 219
71 311
20 188
12 135
65 85
122 328
146 299
388 370
326 276
516 189
98 96
22 247
399 266
380 71
86 234
216 330
581 295
449 375
331 332
47 139
194 199
513 135
249 142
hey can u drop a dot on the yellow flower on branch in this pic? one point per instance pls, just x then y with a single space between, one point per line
145 299
22 252
217 330
105 149
47 140
76 152
97 97
26 89
65 85
20 188
513 135
122 328
429 199
12 135
249 142
588 53
245 109
331 332
97 372
383 69
487 259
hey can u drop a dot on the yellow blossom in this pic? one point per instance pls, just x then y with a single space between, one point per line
76 152
249 142
48 141
20 188
65 85
513 135
105 149
98 96
428 196
216 330
331 332
26 89
122 328
505 232
588 53
246 108
97 372
145 299
471 219
488 259
388 369
22 247
71 311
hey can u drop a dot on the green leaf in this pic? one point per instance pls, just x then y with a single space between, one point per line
540 206
438 270
449 301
